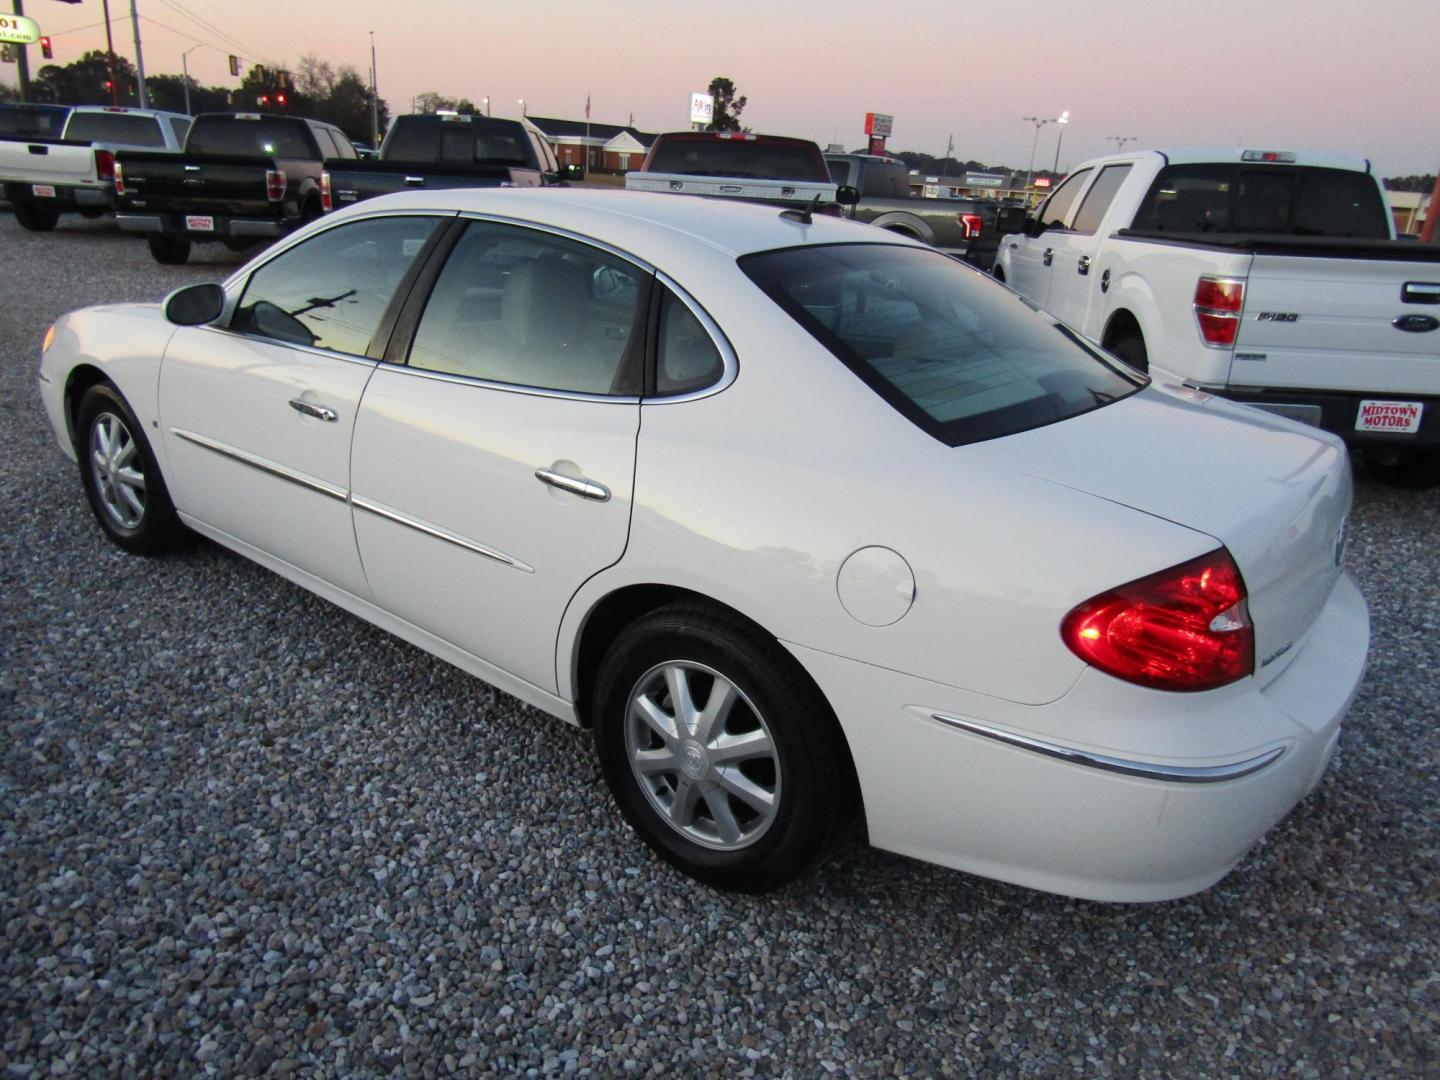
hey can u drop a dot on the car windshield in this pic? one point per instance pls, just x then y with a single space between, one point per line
958 354
751 158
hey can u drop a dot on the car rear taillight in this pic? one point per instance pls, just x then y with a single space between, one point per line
1218 302
1186 628
970 225
326 202
274 185
119 179
104 165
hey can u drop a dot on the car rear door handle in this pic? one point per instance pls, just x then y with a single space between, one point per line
1082 267
1048 257
319 412
586 489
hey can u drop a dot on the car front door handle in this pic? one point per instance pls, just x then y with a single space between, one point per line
1048 257
319 412
1083 266
586 489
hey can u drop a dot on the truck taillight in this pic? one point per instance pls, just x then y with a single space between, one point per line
104 165
326 202
970 225
1218 302
119 179
274 185
1186 628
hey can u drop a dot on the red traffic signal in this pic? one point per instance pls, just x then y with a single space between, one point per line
45 50
280 99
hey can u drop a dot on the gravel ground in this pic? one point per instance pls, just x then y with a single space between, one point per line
244 832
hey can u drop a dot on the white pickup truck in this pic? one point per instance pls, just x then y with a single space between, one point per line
44 178
1269 277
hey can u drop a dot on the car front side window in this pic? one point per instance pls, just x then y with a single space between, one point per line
331 291
528 308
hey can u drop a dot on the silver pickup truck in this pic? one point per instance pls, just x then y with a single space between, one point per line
46 177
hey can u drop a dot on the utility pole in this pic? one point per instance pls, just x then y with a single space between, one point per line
185 76
110 54
374 99
139 57
22 61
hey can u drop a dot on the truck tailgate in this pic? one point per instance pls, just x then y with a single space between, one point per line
206 183
1339 324
47 162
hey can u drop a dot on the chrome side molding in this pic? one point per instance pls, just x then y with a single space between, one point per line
273 468
1148 770
359 502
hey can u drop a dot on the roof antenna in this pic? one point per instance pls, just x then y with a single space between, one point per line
803 216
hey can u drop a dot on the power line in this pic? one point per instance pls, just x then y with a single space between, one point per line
223 35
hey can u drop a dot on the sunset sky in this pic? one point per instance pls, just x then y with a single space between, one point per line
1273 73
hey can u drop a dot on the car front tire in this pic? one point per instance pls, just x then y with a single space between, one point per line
719 750
121 478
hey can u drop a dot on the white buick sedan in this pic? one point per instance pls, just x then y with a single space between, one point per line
802 519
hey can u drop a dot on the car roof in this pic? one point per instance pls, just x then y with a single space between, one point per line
645 224
1206 155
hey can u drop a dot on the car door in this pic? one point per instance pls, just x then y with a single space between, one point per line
1077 281
258 414
1031 256
494 458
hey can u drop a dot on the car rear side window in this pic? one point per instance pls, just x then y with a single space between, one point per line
122 128
1099 197
687 359
519 306
1228 198
959 355
331 291
181 126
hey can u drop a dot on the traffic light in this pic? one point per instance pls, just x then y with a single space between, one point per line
263 100
45 50
280 99
234 65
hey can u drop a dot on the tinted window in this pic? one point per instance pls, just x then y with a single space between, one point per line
115 128
961 357
1057 207
1099 198
1247 199
739 157
839 171
42 121
262 137
181 126
465 139
326 143
523 307
331 291
343 146
688 358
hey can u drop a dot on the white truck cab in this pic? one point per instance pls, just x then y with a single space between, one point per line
1269 276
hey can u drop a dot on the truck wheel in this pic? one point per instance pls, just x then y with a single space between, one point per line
91 213
169 250
1413 469
35 217
1131 349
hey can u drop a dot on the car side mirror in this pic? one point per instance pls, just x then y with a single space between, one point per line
195 305
1011 219
846 195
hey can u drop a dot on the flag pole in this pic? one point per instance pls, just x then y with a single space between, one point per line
587 136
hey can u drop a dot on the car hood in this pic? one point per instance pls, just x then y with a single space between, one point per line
1274 492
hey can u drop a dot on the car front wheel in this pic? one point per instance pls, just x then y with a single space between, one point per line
121 478
718 749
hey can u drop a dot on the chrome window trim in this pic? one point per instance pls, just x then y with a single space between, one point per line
265 465
359 502
729 361
511 388
1146 770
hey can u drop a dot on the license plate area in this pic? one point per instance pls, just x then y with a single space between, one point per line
199 223
1396 417
43 191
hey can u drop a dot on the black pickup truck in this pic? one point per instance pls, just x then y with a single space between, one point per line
445 150
968 229
242 178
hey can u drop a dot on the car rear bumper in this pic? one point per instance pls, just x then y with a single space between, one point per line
225 227
67 197
1113 792
1336 411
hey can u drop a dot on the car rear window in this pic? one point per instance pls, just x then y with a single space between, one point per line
115 128
752 158
40 121
958 354
248 138
475 140
1244 199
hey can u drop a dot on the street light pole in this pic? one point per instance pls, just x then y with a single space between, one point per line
1063 119
185 75
486 103
22 60
1030 169
139 57
110 54
374 99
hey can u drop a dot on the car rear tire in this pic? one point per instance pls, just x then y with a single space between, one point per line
169 250
1131 349
1417 469
36 218
121 478
719 750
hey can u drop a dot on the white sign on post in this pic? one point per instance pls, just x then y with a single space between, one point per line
18 30
702 108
